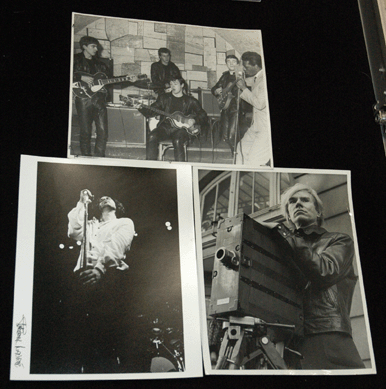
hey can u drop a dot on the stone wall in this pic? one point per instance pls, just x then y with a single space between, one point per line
199 52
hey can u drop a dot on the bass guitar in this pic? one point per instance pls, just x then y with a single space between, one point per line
177 119
85 90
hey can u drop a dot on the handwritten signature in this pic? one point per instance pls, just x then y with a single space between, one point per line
21 330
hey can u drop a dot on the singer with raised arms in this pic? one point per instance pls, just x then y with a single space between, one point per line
101 279
107 239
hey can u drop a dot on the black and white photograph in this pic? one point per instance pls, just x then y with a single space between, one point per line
152 156
161 91
105 261
281 283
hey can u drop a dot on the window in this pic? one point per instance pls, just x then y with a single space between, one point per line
216 203
285 182
231 193
254 191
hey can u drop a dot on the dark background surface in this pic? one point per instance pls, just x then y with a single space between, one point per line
320 99
151 295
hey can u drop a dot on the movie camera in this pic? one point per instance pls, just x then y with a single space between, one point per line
257 292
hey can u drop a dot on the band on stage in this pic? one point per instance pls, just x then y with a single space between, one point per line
180 117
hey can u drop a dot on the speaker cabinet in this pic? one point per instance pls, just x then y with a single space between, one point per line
209 102
126 125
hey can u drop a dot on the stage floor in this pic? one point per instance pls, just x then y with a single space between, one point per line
199 150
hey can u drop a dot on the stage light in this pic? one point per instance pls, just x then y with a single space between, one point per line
61 246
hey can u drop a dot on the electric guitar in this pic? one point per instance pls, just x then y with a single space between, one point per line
85 91
226 96
177 119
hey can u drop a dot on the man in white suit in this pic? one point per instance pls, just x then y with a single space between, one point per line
255 147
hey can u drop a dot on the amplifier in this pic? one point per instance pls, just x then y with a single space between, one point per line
126 125
254 274
209 103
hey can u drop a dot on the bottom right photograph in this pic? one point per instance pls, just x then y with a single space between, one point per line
281 281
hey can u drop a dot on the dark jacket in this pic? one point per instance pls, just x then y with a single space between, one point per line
224 81
81 64
161 74
191 106
326 259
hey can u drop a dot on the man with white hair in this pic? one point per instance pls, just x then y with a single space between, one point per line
326 260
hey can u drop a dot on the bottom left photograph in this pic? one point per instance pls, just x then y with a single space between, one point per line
104 266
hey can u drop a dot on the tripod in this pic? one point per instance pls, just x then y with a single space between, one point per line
247 345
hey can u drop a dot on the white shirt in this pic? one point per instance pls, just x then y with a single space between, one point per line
107 241
255 147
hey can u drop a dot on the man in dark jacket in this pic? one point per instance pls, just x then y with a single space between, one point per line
90 107
326 260
163 70
174 128
229 112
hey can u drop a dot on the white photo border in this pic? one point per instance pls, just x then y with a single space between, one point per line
22 314
204 329
261 52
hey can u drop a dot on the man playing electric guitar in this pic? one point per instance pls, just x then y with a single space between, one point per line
169 128
226 91
90 105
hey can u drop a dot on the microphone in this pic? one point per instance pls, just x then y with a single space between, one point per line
88 197
239 71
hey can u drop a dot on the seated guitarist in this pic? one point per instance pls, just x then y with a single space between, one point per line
229 114
173 102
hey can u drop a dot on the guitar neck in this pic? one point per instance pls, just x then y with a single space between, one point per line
158 111
114 80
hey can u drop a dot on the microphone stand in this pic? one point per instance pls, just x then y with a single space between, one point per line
83 265
237 129
84 297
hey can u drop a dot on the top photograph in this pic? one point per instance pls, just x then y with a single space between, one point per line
149 90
